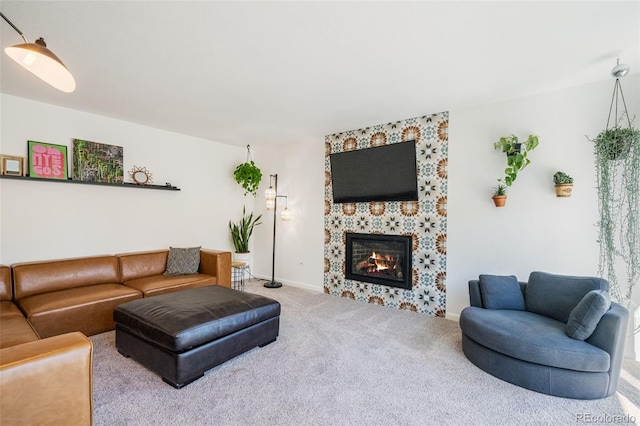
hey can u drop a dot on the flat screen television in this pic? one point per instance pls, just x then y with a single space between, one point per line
382 173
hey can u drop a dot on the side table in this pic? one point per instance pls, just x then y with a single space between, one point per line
237 275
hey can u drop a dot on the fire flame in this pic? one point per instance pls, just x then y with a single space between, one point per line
381 262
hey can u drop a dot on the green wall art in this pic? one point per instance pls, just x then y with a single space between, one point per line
97 162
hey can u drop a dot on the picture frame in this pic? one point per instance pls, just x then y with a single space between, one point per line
47 161
11 165
97 162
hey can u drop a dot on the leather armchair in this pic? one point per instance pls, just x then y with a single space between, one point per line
48 381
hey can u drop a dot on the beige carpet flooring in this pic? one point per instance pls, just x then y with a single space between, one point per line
341 362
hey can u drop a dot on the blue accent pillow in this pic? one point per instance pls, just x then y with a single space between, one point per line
584 318
501 292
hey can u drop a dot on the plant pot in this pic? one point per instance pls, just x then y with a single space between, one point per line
246 258
499 200
564 189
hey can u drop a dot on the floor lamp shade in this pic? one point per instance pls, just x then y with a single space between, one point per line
40 61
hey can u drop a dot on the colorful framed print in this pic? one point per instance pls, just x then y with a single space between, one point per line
47 161
97 162
11 165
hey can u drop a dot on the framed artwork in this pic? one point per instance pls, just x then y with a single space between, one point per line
97 162
12 165
47 161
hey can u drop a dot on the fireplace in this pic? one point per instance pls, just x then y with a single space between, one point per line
379 259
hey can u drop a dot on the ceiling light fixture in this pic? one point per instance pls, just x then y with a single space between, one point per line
42 62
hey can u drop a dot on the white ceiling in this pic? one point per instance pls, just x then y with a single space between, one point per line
289 72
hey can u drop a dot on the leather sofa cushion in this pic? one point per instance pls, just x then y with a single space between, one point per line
9 309
16 330
190 318
142 264
34 278
555 296
533 338
161 284
6 292
86 309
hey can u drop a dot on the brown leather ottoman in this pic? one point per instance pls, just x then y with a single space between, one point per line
181 335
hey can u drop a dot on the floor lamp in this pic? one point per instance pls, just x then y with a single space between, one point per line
271 195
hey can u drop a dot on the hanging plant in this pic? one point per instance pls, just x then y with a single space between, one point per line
617 161
517 155
248 175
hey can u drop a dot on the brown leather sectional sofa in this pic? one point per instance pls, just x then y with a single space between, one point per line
48 308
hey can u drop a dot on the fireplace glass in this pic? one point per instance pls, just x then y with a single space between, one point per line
379 259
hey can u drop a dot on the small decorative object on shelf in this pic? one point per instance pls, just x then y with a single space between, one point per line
11 165
563 184
47 161
97 162
141 176
500 195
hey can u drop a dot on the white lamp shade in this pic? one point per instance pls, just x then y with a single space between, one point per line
44 64
286 214
270 193
271 204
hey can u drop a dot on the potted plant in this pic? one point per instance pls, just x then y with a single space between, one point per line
249 176
617 160
500 195
615 143
241 232
517 154
563 184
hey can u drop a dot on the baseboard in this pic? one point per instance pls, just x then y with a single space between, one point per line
304 286
452 317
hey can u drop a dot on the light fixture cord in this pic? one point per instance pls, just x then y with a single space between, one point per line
14 27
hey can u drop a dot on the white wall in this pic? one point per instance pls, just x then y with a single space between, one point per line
43 220
299 242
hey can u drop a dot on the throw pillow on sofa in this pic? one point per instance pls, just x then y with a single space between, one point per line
584 318
183 261
501 292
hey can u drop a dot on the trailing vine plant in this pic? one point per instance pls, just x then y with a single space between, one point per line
617 161
248 175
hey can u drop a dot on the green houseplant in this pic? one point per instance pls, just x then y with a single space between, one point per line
241 231
617 161
249 176
517 154
563 184
500 195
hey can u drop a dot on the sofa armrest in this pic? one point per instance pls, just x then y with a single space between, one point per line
48 381
610 336
218 264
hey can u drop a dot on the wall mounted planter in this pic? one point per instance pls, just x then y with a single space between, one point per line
563 190
499 200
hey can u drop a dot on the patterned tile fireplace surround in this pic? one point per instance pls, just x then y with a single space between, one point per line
424 220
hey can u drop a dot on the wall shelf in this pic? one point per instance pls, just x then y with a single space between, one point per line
79 182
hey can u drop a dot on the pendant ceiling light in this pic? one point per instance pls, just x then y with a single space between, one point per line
42 62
